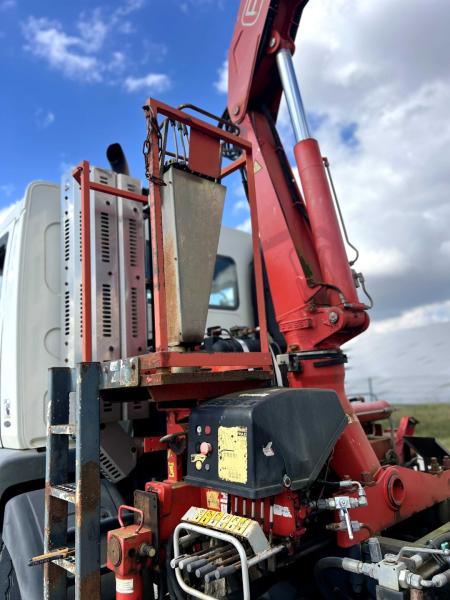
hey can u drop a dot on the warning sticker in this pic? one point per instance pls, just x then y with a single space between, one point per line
232 454
282 511
124 586
218 520
213 499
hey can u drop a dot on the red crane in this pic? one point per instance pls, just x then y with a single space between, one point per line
248 462
312 284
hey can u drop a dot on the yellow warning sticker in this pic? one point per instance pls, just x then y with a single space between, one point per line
198 515
206 518
232 454
219 520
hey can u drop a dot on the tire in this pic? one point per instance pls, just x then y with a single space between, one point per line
9 588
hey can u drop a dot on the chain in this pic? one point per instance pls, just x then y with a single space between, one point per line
152 129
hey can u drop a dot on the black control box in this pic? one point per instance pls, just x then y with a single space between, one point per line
258 442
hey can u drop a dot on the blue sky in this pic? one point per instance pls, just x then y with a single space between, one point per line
75 75
376 85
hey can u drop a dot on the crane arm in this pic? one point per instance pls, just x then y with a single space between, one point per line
262 27
300 237
312 285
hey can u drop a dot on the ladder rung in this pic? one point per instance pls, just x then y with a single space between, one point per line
66 563
63 429
64 491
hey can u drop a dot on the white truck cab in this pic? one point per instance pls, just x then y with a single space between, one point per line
30 307
35 310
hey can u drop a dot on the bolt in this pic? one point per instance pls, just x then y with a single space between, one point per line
287 481
236 109
333 317
390 558
434 465
272 42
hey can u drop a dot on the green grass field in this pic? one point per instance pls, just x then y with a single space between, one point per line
434 419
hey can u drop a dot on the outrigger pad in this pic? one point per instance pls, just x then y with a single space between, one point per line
256 443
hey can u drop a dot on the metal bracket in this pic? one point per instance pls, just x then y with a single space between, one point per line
290 361
121 373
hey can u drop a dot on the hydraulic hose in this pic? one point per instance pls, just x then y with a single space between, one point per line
174 589
439 540
328 562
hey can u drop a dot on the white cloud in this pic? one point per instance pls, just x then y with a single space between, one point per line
153 82
240 206
47 40
44 118
190 5
85 53
7 189
221 84
245 225
437 312
7 4
378 104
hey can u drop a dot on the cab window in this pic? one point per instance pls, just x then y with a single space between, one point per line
224 292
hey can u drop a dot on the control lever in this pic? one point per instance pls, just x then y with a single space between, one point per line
343 504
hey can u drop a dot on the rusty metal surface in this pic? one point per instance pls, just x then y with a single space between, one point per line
218 377
154 109
64 492
159 368
120 373
87 475
191 216
202 390
149 504
55 532
244 360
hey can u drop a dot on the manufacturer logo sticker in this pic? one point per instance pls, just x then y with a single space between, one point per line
251 12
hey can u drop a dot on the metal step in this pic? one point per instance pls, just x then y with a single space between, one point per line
63 429
64 491
68 564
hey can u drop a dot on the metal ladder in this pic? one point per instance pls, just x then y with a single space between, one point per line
82 561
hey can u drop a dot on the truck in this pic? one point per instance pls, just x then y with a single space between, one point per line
193 437
32 308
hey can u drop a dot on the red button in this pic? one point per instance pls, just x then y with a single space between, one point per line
207 430
205 448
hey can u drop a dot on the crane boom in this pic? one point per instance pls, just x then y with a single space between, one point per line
312 285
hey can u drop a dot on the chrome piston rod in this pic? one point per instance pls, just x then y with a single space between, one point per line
292 94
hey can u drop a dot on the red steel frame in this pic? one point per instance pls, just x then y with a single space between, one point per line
163 358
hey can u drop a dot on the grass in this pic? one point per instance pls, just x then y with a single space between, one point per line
434 420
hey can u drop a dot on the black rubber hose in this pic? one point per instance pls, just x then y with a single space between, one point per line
440 539
328 562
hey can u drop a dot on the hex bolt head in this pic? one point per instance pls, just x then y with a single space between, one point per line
333 317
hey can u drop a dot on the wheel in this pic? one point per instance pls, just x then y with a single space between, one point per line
9 588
